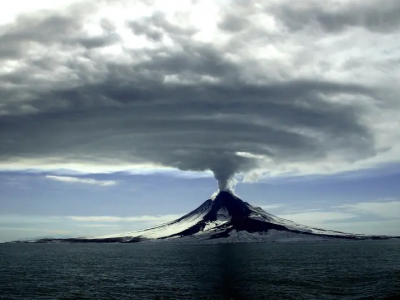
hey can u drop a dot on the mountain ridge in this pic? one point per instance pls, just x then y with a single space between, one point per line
225 218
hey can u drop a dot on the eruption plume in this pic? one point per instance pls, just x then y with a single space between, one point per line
227 166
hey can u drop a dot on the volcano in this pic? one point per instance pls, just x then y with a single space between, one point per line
223 218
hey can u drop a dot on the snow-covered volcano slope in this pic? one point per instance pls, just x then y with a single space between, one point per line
225 218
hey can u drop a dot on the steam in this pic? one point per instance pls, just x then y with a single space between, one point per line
223 181
232 184
227 166
230 187
227 183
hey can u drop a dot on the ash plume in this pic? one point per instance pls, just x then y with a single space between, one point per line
227 166
223 164
189 98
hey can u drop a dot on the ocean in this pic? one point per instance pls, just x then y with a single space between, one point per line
308 270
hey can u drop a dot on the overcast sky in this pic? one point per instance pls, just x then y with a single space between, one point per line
117 115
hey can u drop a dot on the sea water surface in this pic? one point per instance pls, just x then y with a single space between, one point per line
318 270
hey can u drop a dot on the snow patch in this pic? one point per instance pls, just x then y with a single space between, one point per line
164 230
214 195
223 214
213 225
259 214
246 237
204 229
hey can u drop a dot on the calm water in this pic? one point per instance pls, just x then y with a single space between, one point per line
325 270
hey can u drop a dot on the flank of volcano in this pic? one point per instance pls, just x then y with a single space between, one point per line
222 218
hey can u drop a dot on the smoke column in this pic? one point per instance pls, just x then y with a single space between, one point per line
224 165
227 166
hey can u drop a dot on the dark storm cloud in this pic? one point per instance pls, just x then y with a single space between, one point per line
233 23
331 16
98 41
187 106
157 26
15 39
64 28
192 128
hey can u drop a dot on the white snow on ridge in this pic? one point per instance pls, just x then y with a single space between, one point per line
213 225
163 230
245 237
221 225
223 217
214 196
260 215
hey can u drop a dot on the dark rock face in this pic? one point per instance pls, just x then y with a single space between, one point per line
237 208
239 212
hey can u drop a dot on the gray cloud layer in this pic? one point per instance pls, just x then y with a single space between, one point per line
197 105
334 16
